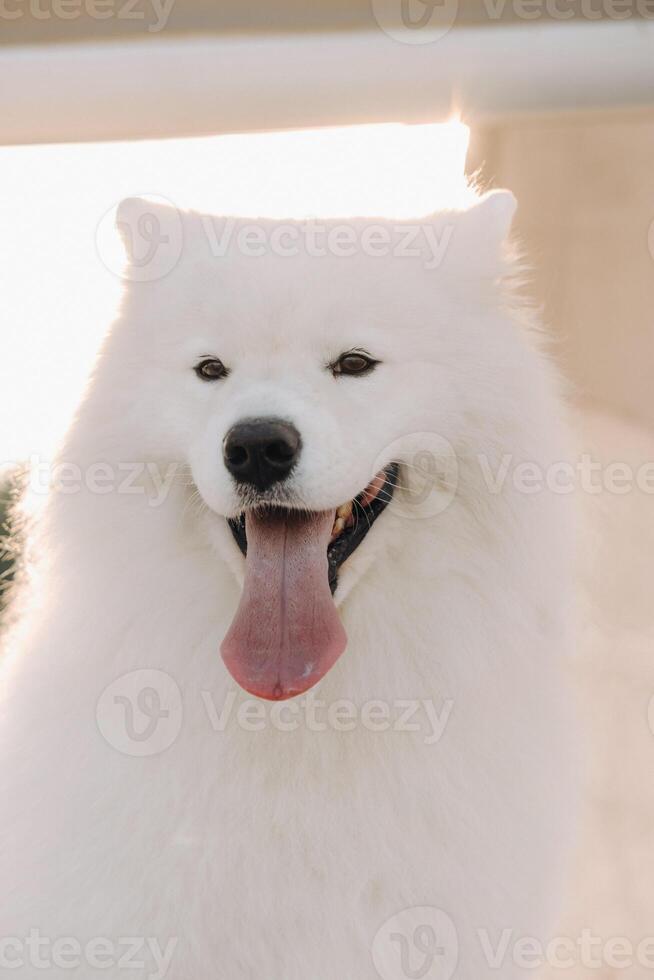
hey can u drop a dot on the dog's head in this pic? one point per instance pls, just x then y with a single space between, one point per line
298 368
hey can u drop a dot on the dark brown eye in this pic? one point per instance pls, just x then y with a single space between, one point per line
211 369
354 362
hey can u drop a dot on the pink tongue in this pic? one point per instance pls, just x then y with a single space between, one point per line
286 633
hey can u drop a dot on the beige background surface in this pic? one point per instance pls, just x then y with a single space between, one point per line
612 886
585 187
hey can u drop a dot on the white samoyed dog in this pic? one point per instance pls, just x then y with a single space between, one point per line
293 466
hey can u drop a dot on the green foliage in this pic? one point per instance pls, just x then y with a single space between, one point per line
7 555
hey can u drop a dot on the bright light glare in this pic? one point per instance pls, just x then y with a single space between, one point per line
56 295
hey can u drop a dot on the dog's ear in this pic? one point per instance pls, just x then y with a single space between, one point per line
152 232
474 240
491 216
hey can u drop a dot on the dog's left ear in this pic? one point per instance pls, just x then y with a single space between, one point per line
476 236
491 216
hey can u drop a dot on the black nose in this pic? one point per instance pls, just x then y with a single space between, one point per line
261 452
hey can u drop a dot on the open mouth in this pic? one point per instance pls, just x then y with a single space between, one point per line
352 521
287 633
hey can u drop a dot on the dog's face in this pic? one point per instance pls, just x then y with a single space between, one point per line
296 375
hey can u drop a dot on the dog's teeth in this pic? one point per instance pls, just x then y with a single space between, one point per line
345 510
339 525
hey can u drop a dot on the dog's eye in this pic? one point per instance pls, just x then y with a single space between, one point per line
211 369
354 362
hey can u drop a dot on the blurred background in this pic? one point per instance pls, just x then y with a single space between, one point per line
100 99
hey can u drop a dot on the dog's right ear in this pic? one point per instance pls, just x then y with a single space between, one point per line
131 215
152 233
126 216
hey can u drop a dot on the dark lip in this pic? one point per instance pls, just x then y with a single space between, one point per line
349 540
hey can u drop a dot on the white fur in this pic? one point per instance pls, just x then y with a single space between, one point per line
277 854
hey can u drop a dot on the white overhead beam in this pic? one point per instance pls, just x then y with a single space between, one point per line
201 85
